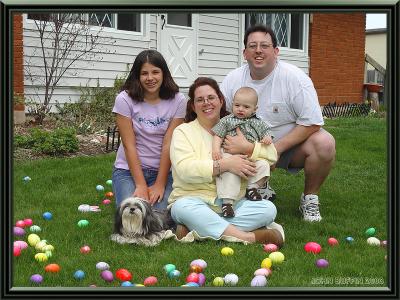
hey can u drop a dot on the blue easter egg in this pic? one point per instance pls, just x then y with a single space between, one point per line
127 283
349 239
100 188
174 274
79 275
47 215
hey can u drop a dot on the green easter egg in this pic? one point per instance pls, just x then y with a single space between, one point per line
83 223
370 231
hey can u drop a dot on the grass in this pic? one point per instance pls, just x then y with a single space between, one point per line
353 198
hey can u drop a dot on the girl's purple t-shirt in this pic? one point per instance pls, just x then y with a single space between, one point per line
150 123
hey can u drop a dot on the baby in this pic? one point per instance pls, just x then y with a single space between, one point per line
255 130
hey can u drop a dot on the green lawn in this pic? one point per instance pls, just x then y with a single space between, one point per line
353 198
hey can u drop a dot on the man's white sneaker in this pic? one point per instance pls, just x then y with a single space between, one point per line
267 192
309 207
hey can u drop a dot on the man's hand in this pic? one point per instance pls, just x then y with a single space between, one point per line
238 144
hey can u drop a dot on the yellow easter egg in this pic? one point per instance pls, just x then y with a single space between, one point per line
218 281
266 263
277 257
33 239
227 251
138 284
41 257
48 248
39 246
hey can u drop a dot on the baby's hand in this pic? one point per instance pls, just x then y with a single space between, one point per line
216 155
266 140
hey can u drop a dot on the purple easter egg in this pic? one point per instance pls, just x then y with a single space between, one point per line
19 231
259 280
107 275
36 278
202 279
322 263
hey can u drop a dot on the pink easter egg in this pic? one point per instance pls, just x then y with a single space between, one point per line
193 277
18 231
270 247
17 251
107 275
152 280
21 244
312 247
28 222
263 272
106 201
199 262
332 241
85 249
20 224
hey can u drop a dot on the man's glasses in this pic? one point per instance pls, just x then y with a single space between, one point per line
263 46
209 99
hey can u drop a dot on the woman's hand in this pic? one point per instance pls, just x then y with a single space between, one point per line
156 193
240 165
141 192
238 144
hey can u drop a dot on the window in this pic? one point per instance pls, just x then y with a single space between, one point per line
180 19
121 21
288 28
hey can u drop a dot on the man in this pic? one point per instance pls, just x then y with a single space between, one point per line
289 103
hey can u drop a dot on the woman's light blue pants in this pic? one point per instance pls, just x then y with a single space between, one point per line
196 215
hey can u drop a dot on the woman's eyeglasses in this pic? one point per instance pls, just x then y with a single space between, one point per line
209 99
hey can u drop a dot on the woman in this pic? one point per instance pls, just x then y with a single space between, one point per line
193 199
147 109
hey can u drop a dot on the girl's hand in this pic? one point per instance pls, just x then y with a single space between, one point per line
240 165
156 193
141 192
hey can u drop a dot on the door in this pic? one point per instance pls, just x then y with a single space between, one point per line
177 42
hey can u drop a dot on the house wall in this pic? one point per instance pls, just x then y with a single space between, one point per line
337 43
375 45
18 54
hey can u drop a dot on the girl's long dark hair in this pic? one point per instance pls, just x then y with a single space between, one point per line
132 84
200 81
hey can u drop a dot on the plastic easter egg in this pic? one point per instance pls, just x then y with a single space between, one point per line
218 281
99 188
106 201
41 257
39 246
127 283
349 239
37 278
83 223
266 263
33 239
35 228
322 263
52 268
26 179
47 215
202 279
109 194
48 254
332 241
231 279
107 275
21 244
102 266
384 243
373 241
370 231
123 275
18 231
192 284
258 280
192 277
200 262
20 224
151 280
270 247
17 251
79 275
139 285
169 267
85 249
263 272
276 257
48 248
195 269
312 247
84 208
109 182
28 222
227 251
174 274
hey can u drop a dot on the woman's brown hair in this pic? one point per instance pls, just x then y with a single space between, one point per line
201 81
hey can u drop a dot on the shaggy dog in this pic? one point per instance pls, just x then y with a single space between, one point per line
136 222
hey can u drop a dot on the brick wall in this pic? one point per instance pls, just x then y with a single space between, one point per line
336 50
18 52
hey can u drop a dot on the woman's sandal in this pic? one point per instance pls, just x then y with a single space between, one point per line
227 210
253 194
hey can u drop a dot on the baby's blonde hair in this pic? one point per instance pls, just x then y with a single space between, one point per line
247 92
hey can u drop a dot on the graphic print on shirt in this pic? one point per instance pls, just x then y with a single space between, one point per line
153 123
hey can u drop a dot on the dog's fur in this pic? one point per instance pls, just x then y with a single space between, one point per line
136 222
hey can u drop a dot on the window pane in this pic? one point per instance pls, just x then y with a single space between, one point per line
39 17
180 19
296 31
130 22
280 28
101 19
